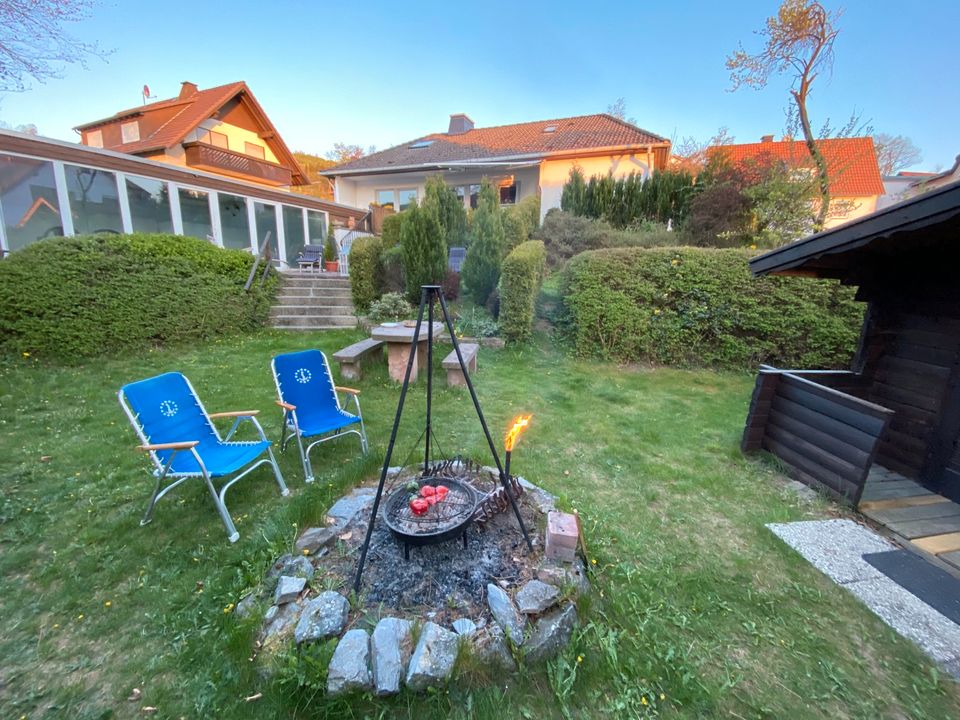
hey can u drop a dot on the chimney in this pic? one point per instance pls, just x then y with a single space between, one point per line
187 89
459 124
766 138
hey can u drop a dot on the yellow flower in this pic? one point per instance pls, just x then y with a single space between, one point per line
674 262
56 625
643 701
594 561
662 696
753 247
306 551
26 354
579 659
108 604
228 609
80 616
657 311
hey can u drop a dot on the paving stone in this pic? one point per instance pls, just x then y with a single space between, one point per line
551 634
464 627
505 613
288 589
322 617
347 508
390 648
433 659
836 547
312 539
536 597
349 669
491 649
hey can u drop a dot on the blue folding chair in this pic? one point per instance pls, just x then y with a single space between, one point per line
311 406
184 443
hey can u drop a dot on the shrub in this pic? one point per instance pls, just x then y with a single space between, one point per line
392 259
330 250
424 251
719 217
391 307
664 195
477 323
520 279
520 221
79 297
442 201
481 266
451 285
390 234
366 271
695 306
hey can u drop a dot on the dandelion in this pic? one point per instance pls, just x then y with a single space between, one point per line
108 603
80 616
643 701
26 354
228 609
594 561
662 696
753 247
306 551
674 262
579 659
56 625
657 311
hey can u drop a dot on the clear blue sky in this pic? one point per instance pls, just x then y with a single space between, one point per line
381 73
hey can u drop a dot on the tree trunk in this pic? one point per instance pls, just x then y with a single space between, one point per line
823 180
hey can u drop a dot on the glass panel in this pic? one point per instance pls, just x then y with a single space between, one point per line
266 217
195 213
407 198
508 194
316 227
253 150
474 195
28 196
94 201
293 239
385 199
149 205
234 222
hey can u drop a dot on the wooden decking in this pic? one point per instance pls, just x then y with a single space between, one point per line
917 516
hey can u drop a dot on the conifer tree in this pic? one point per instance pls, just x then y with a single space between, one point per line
442 200
424 250
481 266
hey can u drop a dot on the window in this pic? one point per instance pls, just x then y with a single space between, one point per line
473 192
95 138
213 138
509 193
28 198
149 205
407 198
316 227
253 150
265 216
293 238
195 213
421 144
550 129
129 132
385 199
234 223
399 200
94 200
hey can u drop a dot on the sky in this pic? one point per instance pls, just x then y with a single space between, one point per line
383 73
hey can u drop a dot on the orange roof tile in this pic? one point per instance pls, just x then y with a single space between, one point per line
851 162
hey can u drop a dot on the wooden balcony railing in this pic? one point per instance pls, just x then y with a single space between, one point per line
227 162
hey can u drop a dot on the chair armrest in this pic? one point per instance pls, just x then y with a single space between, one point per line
349 391
285 405
235 413
169 446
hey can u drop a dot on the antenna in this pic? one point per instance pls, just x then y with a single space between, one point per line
145 93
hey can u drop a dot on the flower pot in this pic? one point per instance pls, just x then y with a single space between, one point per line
331 265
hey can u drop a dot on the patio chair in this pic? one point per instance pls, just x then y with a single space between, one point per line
345 246
183 442
310 257
311 406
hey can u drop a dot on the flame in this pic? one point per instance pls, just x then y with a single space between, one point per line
519 425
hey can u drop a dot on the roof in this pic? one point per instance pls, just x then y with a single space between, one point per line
190 112
908 226
851 162
521 140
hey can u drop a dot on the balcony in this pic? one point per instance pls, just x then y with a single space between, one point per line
227 162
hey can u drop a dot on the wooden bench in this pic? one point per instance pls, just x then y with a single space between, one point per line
350 356
452 365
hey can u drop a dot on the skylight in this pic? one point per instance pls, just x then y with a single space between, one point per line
421 144
550 128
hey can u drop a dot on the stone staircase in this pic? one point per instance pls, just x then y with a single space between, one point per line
313 302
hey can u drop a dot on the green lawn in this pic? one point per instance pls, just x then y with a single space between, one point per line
699 611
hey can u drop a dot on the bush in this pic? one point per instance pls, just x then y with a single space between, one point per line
520 221
695 306
392 259
79 297
330 249
451 285
390 308
520 278
719 217
390 234
366 271
664 195
481 266
441 199
424 251
476 323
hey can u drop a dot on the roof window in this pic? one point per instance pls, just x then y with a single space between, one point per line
550 128
421 144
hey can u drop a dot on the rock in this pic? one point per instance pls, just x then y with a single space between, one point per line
551 633
288 588
390 648
536 596
246 606
505 613
433 659
465 627
493 342
491 649
545 502
312 539
322 617
394 470
278 621
562 575
347 508
349 669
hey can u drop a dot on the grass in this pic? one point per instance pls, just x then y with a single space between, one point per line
699 611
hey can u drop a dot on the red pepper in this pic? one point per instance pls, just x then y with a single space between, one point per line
442 491
428 491
419 506
432 500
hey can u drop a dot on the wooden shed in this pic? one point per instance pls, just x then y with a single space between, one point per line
899 404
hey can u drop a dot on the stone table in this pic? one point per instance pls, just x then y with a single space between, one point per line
398 340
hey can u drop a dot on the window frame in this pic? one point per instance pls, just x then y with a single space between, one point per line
130 132
261 151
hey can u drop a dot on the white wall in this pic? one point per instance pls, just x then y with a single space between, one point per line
555 173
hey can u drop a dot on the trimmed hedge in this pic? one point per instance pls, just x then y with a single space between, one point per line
520 277
85 296
391 230
702 307
366 271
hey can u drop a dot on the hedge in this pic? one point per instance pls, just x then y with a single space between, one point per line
520 277
366 271
80 297
702 307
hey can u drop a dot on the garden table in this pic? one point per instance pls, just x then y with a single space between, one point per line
398 338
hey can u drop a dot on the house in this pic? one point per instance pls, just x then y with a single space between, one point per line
852 169
524 159
900 186
221 130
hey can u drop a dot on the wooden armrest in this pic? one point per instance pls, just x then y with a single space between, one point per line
348 391
235 413
169 446
285 405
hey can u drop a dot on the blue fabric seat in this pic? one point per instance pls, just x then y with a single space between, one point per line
183 442
311 404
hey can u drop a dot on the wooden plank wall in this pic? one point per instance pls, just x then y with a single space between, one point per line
828 438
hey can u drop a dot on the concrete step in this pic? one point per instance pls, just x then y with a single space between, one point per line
315 281
297 294
310 322
315 310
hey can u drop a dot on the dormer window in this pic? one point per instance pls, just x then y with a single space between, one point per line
95 138
129 132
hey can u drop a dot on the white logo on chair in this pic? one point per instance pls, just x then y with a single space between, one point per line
303 376
168 408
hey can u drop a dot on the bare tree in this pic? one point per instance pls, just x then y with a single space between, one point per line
342 152
894 153
34 45
691 153
798 40
619 110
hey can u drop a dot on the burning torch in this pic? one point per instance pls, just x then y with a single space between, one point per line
513 434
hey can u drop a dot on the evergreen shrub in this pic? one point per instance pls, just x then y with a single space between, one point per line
366 271
520 278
